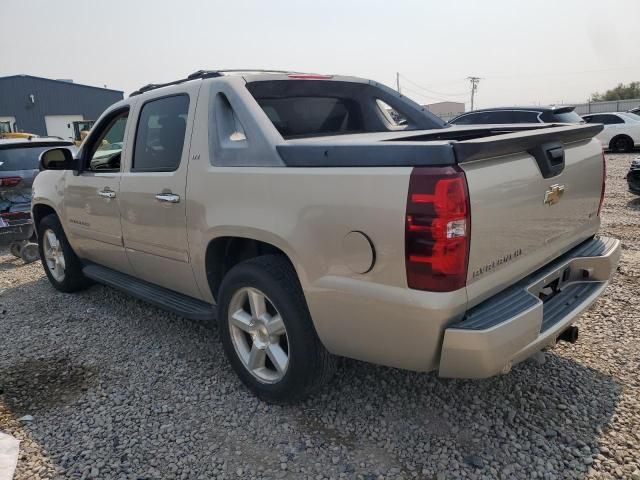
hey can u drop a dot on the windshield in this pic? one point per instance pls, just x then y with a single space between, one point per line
567 117
22 158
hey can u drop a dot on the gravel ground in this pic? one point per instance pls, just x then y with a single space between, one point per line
118 389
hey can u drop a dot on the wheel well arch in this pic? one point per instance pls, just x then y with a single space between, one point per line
39 211
620 135
223 253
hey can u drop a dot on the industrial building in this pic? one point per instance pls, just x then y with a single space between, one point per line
446 110
45 106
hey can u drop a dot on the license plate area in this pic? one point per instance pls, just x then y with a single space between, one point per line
553 285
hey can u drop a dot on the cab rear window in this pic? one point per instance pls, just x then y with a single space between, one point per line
308 116
310 107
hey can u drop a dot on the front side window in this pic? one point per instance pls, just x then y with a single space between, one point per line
106 150
160 135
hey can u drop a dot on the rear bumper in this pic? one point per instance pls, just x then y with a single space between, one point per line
516 323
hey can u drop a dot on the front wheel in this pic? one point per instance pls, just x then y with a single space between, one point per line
62 266
267 332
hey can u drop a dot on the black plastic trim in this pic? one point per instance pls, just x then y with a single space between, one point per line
499 145
378 154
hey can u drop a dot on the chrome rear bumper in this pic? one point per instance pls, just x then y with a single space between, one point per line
516 323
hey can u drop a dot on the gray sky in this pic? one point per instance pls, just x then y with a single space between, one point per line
526 51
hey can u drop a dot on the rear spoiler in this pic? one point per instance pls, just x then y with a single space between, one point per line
523 141
448 147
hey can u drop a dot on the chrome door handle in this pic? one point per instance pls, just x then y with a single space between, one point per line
107 193
168 197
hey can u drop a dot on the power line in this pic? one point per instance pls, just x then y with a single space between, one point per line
421 94
457 94
474 88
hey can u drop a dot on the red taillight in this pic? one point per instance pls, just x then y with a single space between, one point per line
604 182
310 76
15 215
437 229
9 181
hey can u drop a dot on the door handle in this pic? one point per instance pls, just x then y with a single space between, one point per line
168 197
106 193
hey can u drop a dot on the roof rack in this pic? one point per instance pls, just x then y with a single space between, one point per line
202 74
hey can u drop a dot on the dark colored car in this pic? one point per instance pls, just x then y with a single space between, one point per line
633 177
19 165
635 110
550 114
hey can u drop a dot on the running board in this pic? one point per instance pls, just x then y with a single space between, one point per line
164 298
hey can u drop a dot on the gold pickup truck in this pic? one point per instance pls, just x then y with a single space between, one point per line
315 216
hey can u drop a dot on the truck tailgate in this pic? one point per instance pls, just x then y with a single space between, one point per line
521 220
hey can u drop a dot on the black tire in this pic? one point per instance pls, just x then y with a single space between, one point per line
621 144
30 252
15 248
310 365
73 279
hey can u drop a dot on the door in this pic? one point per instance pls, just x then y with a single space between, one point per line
152 193
61 125
91 203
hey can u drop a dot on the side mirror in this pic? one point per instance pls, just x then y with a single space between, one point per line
58 159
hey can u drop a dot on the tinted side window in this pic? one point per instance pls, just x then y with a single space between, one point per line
525 117
499 117
606 119
160 134
22 158
469 119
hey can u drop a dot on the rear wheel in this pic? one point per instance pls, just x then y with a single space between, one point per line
62 266
621 144
267 332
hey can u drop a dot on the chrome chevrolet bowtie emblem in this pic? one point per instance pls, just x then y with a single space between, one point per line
554 194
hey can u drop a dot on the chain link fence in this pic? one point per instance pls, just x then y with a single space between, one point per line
612 106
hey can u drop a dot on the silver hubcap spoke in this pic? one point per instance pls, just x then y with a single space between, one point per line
53 255
277 356
259 335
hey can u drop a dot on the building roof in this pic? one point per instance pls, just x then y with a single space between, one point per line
62 82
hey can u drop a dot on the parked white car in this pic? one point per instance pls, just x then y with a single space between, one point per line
621 130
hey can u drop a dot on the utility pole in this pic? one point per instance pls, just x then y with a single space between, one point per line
398 82
474 87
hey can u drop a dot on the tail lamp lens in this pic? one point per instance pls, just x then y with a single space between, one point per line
9 181
437 229
604 182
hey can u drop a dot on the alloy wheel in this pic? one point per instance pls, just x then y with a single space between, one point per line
53 255
259 335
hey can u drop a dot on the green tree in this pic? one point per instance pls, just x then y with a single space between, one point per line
621 92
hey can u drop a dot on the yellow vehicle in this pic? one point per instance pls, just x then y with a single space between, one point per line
81 129
5 132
